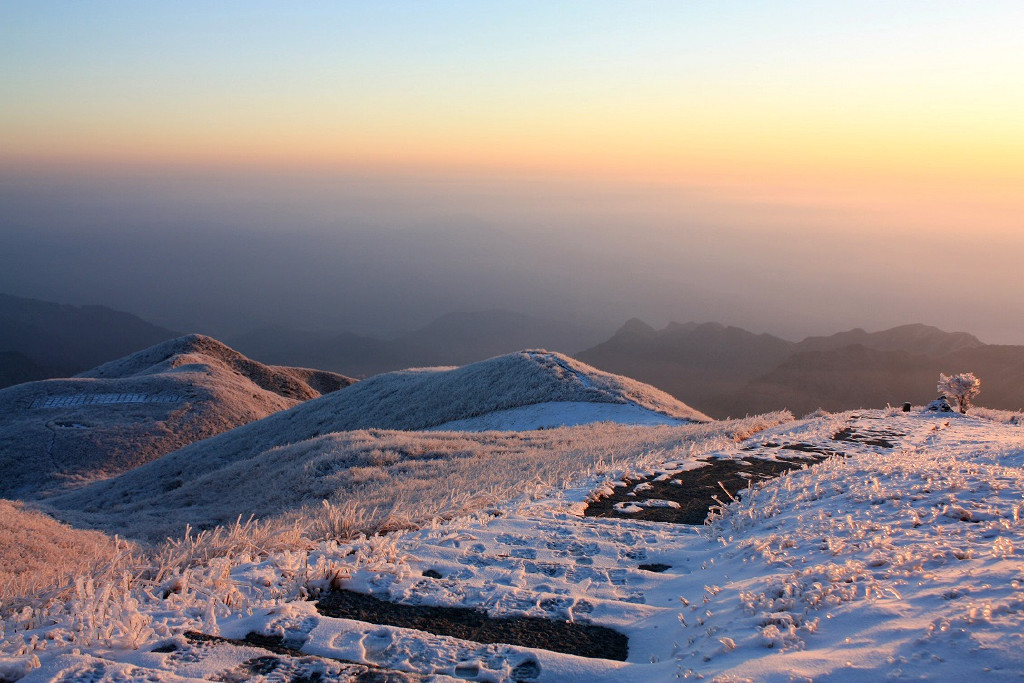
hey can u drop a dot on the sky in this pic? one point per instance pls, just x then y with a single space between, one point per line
791 167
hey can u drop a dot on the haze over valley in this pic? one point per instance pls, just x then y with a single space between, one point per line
226 252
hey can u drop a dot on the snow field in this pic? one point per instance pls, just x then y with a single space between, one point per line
887 564
891 563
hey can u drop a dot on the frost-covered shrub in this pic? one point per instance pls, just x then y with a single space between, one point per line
963 387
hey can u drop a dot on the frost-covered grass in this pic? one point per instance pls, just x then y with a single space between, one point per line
418 399
197 352
40 558
1010 417
885 564
921 544
552 414
408 400
386 479
390 481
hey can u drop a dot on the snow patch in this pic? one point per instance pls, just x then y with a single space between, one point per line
634 506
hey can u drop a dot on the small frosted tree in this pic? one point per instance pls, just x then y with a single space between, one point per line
962 387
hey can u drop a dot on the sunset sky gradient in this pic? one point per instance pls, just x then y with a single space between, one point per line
869 115
734 92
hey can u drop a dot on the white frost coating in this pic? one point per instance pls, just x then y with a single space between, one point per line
658 503
890 563
562 362
60 433
558 414
380 472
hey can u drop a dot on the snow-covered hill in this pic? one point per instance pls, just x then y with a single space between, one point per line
428 397
181 483
900 558
62 433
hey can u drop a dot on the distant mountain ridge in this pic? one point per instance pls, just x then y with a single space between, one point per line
724 370
730 371
16 367
60 340
452 339
914 338
60 433
707 363
859 376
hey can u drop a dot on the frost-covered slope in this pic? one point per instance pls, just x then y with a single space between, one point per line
384 477
383 474
404 400
220 478
37 552
554 414
63 432
901 560
189 353
423 398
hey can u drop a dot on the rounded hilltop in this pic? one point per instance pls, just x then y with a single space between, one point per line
62 433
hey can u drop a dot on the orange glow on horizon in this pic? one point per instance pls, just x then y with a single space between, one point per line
797 166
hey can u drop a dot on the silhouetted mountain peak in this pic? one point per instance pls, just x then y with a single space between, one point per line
680 328
635 327
913 338
68 339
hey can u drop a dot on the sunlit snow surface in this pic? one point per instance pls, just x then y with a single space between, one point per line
558 414
888 564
